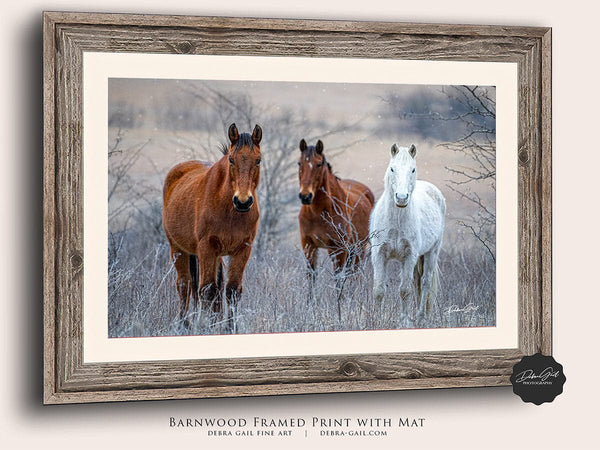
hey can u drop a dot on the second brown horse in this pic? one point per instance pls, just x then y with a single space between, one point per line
211 211
334 213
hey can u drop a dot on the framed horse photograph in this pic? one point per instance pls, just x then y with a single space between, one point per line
238 207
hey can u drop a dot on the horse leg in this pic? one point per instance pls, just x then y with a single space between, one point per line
233 290
209 292
220 275
340 264
310 253
193 259
181 261
379 262
429 269
407 282
417 277
358 258
340 260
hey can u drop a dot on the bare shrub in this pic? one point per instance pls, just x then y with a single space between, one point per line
276 299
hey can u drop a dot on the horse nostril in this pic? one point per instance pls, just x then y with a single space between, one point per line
242 206
401 198
306 199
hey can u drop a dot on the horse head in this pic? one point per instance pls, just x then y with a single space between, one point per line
244 166
401 175
312 167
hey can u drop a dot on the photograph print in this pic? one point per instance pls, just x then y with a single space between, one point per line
245 207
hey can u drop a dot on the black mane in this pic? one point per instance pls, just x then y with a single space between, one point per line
244 140
311 151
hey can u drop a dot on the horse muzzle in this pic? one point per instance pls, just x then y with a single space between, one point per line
242 206
401 200
306 199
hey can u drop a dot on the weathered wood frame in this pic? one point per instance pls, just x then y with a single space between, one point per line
67 35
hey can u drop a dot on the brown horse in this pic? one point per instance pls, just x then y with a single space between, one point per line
334 213
211 211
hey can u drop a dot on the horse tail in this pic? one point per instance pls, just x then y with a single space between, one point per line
194 272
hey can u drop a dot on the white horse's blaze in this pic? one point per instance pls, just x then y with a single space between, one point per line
407 223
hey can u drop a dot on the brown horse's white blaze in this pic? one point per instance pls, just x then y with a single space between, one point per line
211 211
334 213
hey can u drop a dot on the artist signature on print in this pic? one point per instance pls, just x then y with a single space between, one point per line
471 307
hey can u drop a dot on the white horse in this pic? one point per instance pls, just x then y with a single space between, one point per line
407 224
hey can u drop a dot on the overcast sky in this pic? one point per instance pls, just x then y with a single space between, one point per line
366 104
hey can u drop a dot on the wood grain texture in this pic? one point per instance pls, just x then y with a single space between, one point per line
48 208
546 194
67 35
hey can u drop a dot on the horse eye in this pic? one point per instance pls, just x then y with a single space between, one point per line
258 161
413 171
230 161
391 169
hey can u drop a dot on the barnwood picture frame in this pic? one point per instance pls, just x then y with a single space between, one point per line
67 379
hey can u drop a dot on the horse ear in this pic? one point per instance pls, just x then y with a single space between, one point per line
257 135
394 150
319 147
233 133
302 145
412 151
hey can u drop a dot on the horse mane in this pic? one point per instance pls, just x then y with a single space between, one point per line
244 140
330 169
311 151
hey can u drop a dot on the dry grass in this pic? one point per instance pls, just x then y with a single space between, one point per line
143 300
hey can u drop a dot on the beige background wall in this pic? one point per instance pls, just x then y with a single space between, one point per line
476 418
